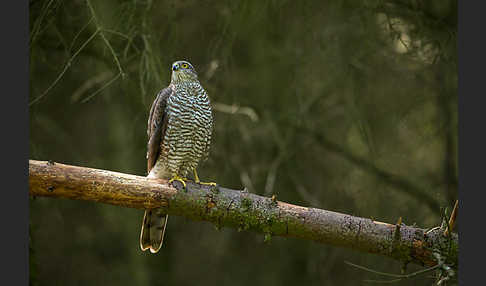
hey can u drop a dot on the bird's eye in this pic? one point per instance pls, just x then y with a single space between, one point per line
185 66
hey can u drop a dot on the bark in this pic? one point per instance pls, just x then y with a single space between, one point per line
244 211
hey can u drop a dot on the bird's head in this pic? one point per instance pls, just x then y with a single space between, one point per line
183 71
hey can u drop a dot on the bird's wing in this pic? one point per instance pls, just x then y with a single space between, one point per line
157 125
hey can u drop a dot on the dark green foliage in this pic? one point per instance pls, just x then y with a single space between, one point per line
337 70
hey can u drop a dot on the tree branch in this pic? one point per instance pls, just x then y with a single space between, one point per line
244 211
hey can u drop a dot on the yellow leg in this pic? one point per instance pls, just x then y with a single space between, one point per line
178 178
196 179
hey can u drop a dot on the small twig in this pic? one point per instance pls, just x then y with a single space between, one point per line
105 39
116 33
101 88
99 78
68 64
36 28
235 109
383 281
79 33
62 40
397 228
148 70
452 219
401 276
126 37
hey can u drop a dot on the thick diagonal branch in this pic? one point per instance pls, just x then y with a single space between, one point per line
242 210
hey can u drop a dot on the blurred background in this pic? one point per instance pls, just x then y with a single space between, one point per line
349 106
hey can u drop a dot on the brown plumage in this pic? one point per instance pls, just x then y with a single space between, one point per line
157 125
154 221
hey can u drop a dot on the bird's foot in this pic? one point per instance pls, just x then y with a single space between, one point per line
180 179
213 186
197 181
207 183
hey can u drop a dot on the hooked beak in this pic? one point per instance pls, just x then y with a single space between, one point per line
175 67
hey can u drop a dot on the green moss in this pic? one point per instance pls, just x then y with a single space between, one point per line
246 203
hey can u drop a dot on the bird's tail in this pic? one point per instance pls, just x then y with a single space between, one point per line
153 229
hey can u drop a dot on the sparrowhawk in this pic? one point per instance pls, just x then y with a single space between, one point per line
179 129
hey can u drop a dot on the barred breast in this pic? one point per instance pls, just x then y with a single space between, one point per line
189 128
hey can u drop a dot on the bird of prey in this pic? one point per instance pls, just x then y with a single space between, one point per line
179 129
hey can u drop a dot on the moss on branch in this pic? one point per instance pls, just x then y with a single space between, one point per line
244 211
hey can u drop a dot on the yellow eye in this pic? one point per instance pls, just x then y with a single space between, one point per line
184 66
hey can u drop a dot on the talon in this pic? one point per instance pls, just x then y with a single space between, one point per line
208 183
180 179
197 181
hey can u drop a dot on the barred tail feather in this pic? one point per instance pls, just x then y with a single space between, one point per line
153 230
154 220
